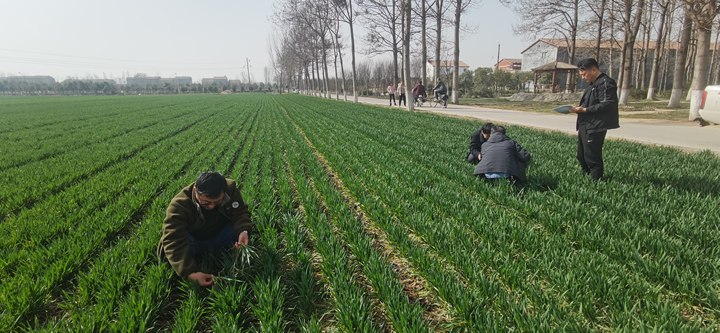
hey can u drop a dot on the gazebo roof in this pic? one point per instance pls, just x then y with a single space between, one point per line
555 65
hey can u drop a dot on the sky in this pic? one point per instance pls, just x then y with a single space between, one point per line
115 39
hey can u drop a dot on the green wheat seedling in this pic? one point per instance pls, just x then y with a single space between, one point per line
242 259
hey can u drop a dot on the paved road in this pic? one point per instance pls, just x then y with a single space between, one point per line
687 136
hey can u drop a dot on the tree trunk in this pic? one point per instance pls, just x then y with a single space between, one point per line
612 41
395 43
423 41
307 80
629 45
352 53
337 87
680 59
438 38
666 58
690 66
456 59
603 4
658 51
714 60
702 62
410 102
646 48
642 65
325 70
314 82
342 69
570 83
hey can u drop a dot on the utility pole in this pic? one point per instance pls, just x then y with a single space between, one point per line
497 64
247 61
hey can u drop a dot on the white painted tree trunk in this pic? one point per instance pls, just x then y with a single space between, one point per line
409 101
680 59
700 79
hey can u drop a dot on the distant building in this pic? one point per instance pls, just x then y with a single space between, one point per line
108 81
446 67
217 80
183 79
509 65
144 81
235 83
34 79
178 80
546 51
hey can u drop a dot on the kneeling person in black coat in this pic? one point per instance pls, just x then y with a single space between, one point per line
476 140
502 157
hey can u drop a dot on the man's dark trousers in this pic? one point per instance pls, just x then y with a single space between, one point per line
589 152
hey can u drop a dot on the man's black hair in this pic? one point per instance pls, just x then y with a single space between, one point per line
210 184
588 63
498 129
487 128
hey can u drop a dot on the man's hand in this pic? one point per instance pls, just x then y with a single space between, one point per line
578 109
202 279
479 157
242 240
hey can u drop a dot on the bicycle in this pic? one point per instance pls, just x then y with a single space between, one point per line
442 100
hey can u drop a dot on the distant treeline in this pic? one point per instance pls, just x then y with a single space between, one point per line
108 87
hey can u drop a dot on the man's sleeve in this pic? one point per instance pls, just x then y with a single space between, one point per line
175 241
475 143
241 217
522 154
607 93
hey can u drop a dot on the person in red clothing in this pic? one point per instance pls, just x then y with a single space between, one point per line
419 93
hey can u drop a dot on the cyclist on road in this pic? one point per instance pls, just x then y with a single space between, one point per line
441 92
419 93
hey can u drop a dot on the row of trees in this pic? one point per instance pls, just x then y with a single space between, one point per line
682 25
107 87
374 76
311 36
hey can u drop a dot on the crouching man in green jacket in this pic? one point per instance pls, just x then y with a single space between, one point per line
205 216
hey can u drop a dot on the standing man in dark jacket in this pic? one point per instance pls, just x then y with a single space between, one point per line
597 113
207 215
502 157
476 140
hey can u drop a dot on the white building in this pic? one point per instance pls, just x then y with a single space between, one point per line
446 67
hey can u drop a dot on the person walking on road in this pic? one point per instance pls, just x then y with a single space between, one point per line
401 91
207 215
391 93
596 114
502 157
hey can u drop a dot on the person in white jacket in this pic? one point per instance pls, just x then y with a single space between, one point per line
391 93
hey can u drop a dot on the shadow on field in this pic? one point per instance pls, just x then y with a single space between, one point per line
689 184
538 183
